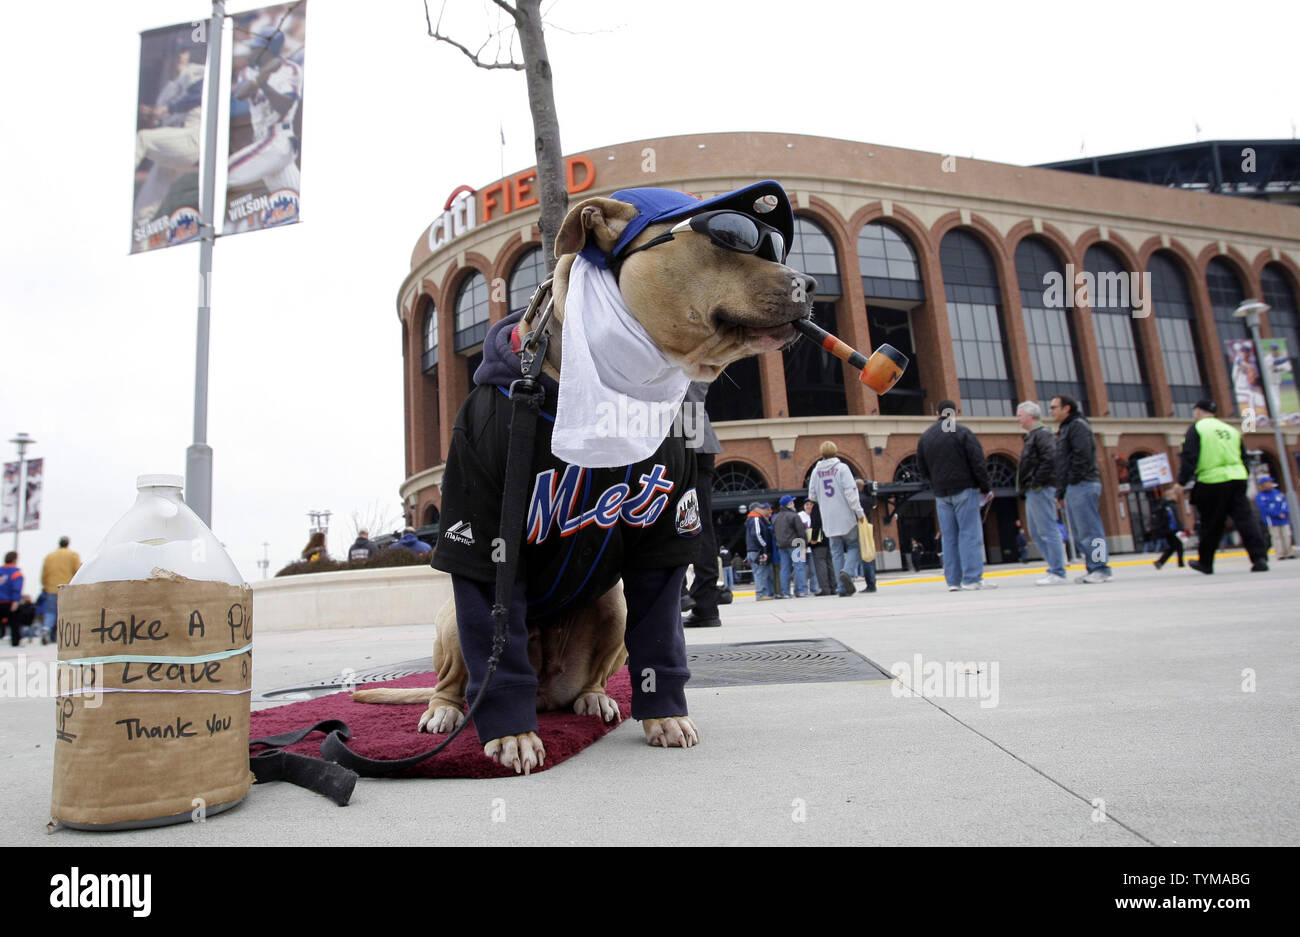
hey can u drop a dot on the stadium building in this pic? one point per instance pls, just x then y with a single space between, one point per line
1002 283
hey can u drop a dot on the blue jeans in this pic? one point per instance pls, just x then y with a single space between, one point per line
963 537
50 610
845 555
799 569
728 576
762 574
868 571
1040 509
1083 500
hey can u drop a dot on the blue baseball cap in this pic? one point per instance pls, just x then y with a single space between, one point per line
787 499
765 202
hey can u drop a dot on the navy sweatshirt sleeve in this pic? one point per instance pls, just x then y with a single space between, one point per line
510 706
656 645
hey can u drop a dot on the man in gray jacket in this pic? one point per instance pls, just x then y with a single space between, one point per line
1036 483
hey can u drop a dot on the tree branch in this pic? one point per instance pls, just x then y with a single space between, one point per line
472 56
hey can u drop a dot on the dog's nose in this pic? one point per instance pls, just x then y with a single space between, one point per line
808 283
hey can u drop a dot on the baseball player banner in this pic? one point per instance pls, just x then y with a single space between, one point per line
262 178
165 210
32 511
9 498
1278 368
1252 405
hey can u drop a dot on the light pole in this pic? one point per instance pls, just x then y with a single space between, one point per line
265 562
22 441
320 521
1250 310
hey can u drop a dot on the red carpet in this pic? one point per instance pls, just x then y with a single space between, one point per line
389 731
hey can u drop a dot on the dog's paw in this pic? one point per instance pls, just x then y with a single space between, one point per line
677 731
597 704
440 719
521 752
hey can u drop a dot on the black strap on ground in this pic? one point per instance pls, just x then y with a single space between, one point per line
324 777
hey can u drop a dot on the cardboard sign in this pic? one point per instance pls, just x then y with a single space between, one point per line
1154 470
151 720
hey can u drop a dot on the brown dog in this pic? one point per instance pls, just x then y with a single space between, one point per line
704 305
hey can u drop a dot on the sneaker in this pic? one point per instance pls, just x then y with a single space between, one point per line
1095 576
1158 564
701 621
1051 580
1196 565
846 584
978 585
954 588
766 598
1259 566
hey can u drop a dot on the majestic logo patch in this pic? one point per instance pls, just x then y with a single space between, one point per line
460 532
688 514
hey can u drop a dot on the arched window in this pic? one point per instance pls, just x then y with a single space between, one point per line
1179 347
1053 345
907 471
892 286
1226 295
1117 337
528 271
1002 473
975 320
888 264
429 359
471 311
812 252
1283 317
738 477
814 380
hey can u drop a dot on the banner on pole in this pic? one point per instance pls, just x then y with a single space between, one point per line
1252 405
169 108
9 498
32 509
1277 367
263 174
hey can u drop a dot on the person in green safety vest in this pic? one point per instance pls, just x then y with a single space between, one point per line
1214 453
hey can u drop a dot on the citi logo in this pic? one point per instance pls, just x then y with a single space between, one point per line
460 532
103 891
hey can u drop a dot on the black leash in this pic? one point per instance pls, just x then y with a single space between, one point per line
527 396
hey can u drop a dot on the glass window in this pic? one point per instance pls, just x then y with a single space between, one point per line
975 320
813 253
737 394
1226 295
738 476
1283 317
430 357
528 272
1175 325
1117 337
471 311
814 380
888 264
1053 350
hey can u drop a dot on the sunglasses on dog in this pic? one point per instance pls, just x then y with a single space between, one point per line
731 230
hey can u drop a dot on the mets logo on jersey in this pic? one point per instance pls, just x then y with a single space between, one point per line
557 499
182 226
283 208
688 514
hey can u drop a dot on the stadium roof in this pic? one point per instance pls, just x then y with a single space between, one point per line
1264 169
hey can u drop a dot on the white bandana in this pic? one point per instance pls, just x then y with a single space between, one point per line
618 404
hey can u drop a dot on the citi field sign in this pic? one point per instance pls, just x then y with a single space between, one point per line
465 206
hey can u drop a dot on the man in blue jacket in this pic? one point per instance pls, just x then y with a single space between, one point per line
759 549
1277 516
411 542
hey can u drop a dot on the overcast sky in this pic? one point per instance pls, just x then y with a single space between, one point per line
306 368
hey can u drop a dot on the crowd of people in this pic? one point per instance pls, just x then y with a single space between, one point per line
20 617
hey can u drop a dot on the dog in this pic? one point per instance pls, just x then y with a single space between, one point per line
696 285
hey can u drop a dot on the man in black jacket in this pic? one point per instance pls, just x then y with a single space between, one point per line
951 458
1036 483
1078 487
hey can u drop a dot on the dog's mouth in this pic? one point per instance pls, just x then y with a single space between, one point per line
758 338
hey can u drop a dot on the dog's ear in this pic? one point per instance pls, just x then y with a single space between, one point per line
605 218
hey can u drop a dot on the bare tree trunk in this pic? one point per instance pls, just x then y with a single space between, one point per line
554 195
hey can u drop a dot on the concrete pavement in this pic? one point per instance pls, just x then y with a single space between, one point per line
1159 708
